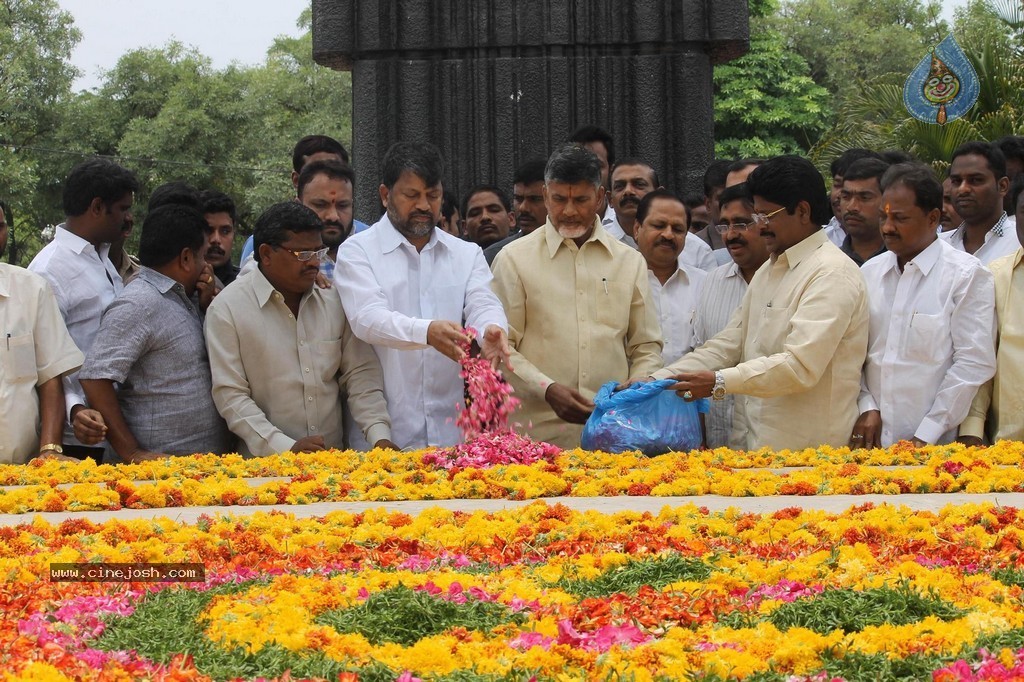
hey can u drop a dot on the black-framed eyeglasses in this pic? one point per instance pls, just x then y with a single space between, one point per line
306 256
722 228
762 219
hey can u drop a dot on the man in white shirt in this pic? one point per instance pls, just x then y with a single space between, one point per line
978 175
631 180
722 294
661 229
97 201
931 341
409 290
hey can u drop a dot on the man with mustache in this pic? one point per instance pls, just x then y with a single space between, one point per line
527 204
631 180
97 200
950 218
722 294
978 174
796 346
931 342
281 352
860 201
487 215
219 211
579 305
326 186
834 228
409 289
661 229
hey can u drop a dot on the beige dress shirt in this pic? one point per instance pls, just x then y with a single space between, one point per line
277 379
36 348
576 316
997 412
795 348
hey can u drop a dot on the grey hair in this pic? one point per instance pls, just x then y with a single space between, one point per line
571 164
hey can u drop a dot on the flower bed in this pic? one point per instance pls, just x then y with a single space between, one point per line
502 467
873 593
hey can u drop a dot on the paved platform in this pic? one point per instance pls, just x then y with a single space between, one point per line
829 503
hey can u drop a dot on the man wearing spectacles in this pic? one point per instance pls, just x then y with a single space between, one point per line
797 344
282 353
723 292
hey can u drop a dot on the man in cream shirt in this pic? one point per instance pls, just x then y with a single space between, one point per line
797 344
579 305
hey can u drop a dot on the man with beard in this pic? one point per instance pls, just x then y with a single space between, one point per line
661 228
978 174
527 204
487 215
326 187
219 211
408 290
722 294
860 201
796 346
97 201
579 305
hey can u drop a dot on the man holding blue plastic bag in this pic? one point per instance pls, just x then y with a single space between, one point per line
578 304
794 350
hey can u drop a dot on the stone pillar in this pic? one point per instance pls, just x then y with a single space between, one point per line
494 83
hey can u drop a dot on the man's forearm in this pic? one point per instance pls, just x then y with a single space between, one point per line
51 411
103 398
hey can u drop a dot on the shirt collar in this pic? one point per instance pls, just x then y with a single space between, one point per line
262 286
1018 256
996 230
555 240
72 241
5 279
804 248
733 270
927 259
157 280
391 238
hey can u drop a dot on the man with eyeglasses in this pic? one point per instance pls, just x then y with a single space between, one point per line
797 344
282 352
723 292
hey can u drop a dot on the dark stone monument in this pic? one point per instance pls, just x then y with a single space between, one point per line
494 83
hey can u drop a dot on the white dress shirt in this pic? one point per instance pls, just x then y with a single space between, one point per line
835 232
84 281
391 293
931 342
676 302
720 298
696 253
1000 241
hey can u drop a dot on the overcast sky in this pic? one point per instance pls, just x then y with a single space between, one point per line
224 30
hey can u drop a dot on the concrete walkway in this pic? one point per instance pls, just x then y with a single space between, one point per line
608 505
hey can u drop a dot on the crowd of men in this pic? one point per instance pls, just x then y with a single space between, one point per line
881 312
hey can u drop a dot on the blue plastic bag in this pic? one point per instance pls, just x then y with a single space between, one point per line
643 417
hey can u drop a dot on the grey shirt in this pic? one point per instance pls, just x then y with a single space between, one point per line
150 341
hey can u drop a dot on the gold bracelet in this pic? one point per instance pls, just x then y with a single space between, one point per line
51 447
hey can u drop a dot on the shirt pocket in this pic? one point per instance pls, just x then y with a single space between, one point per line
19 359
928 337
327 358
612 301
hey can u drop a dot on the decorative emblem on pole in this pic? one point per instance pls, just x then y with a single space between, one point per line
944 85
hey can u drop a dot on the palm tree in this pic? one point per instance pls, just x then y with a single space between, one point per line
877 118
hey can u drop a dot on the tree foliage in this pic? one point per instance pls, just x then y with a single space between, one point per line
765 102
